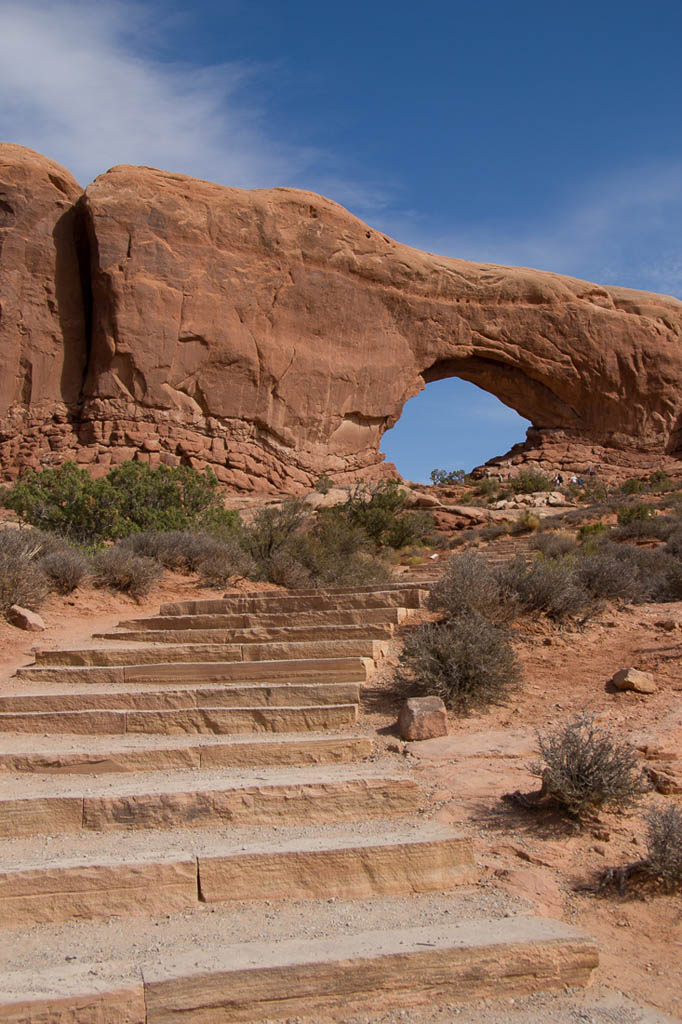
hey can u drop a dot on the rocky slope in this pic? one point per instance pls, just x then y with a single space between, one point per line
272 335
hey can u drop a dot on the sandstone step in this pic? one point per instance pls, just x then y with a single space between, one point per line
324 617
320 979
283 650
61 804
364 588
274 602
216 720
140 698
143 752
65 886
352 670
255 635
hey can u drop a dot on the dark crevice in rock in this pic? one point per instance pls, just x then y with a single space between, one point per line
84 257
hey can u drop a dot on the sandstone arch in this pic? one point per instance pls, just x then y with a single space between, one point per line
272 335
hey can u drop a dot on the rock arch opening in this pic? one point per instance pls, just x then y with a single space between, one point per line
451 424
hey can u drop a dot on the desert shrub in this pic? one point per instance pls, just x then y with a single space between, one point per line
22 581
585 768
337 553
529 481
636 512
324 483
528 522
470 584
272 528
175 549
463 537
468 661
661 482
664 845
588 530
487 487
674 543
224 561
65 569
494 530
131 497
121 569
633 485
380 512
554 545
605 573
547 586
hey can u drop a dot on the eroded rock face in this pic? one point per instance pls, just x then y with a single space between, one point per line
272 335
42 322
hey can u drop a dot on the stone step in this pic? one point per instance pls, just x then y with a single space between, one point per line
365 588
255 635
324 617
318 601
329 978
274 651
61 804
142 699
311 670
142 752
64 886
204 719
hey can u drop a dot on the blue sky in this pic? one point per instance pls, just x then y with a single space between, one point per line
528 133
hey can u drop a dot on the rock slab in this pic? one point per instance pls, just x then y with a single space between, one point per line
634 679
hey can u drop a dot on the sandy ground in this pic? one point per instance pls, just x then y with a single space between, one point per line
535 861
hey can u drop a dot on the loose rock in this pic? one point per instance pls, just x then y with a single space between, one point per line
634 679
24 618
423 718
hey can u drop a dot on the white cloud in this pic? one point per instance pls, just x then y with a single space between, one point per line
622 229
79 83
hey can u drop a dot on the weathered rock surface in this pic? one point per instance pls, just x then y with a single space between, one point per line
42 319
24 618
634 679
423 718
272 335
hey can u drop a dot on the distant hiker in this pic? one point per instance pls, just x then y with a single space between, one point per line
574 479
558 480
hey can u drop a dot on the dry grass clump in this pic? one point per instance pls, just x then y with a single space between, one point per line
468 661
554 545
121 569
585 768
65 569
664 845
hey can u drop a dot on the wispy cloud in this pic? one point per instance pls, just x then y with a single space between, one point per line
78 84
623 229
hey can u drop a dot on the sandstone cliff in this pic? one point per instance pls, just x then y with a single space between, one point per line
272 335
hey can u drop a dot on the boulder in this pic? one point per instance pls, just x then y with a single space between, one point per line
423 718
24 618
634 679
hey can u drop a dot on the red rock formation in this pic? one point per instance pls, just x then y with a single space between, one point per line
42 325
272 335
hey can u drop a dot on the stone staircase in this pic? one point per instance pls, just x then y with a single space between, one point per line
162 790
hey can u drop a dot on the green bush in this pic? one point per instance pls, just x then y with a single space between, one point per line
448 476
585 768
467 661
529 481
130 498
272 529
121 569
588 530
635 513
324 483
